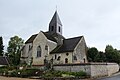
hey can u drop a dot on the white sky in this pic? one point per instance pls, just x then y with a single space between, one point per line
97 20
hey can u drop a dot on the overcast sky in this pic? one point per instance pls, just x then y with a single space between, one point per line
97 20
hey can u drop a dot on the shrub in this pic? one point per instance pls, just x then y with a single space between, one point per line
57 73
26 73
12 68
80 74
3 70
14 74
29 72
52 74
64 74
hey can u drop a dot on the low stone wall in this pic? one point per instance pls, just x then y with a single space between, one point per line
112 68
92 69
99 69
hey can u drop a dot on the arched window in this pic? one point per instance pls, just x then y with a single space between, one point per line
66 60
38 51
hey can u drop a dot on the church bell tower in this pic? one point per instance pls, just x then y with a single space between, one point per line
55 25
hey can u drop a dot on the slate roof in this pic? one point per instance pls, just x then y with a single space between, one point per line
4 60
47 34
58 35
55 19
30 40
50 37
68 45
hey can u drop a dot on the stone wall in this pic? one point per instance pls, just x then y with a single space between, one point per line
41 41
92 69
62 56
80 51
112 68
99 69
26 53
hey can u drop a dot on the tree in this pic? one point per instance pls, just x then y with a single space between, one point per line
14 49
1 46
109 49
112 55
92 54
102 57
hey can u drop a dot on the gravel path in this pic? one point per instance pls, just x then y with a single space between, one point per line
14 78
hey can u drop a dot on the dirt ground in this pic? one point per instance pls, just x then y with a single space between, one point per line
14 78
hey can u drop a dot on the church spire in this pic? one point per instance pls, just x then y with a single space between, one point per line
55 25
55 19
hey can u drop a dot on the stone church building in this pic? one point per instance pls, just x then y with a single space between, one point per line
52 45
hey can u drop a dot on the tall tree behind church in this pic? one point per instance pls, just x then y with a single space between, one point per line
112 55
1 46
14 49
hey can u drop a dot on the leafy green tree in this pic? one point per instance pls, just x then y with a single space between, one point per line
109 49
112 55
102 57
14 49
92 54
1 46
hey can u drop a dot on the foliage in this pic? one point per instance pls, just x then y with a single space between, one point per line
30 72
14 72
112 55
14 48
26 73
92 54
52 74
101 57
64 74
8 67
1 46
108 49
3 70
80 73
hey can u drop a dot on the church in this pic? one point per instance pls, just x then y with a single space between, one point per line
52 45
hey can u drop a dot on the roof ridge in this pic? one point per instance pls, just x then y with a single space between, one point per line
35 34
49 37
74 37
31 38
